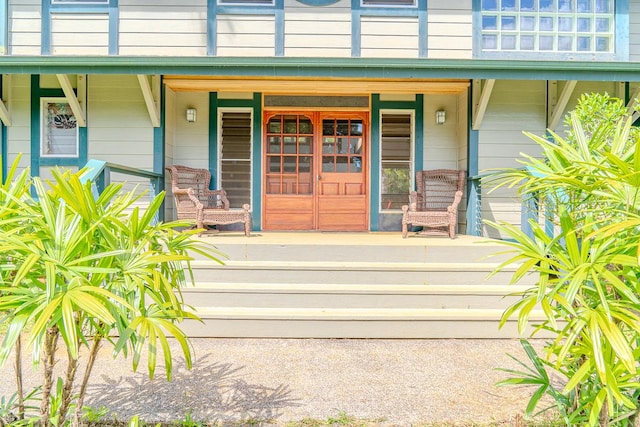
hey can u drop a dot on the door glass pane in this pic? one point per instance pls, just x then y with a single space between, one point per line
304 164
304 144
342 164
305 126
290 163
343 127
328 146
328 164
290 124
290 144
274 144
274 163
356 164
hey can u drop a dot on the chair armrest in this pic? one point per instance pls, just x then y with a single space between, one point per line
193 198
413 201
216 199
456 202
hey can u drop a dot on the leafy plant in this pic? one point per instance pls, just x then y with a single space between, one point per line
87 272
587 272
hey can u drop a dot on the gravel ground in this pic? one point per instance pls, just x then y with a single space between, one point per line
274 381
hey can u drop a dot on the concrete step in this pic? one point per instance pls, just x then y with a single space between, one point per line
352 272
470 252
252 322
320 295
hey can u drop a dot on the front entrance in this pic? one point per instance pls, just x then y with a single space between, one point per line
315 175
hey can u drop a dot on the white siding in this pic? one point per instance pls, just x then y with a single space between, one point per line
24 27
79 34
191 146
19 133
163 27
634 31
441 141
514 106
389 37
317 31
246 35
449 29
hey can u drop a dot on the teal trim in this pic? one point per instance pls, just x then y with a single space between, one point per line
418 138
212 28
159 150
36 160
285 67
45 29
622 30
114 27
4 27
379 221
356 35
213 138
35 124
3 147
474 192
422 29
279 23
374 165
214 9
256 199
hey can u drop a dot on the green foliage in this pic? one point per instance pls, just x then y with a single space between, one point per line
81 270
587 273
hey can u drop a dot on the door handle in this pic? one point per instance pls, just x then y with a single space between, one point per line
319 177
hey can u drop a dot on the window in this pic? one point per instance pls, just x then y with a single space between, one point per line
548 26
396 159
59 129
235 156
388 3
80 2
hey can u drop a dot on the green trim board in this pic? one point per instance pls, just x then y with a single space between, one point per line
109 7
377 218
214 10
255 103
159 148
285 67
474 207
36 160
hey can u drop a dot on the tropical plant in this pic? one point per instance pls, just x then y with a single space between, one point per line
586 273
84 272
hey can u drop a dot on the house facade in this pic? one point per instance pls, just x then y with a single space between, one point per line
317 113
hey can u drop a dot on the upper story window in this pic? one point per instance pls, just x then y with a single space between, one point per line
388 3
79 2
548 26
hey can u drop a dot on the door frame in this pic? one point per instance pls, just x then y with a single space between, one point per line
317 115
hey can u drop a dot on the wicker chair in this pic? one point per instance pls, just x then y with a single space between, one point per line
196 202
434 205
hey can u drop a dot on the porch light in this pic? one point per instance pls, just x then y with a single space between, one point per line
191 115
441 117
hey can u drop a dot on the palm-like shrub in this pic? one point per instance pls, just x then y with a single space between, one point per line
81 272
587 273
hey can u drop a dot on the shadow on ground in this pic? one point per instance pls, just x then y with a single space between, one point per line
211 391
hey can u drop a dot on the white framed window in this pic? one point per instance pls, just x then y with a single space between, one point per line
234 154
388 3
79 2
396 158
548 26
59 129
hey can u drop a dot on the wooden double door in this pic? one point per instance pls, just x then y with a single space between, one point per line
315 171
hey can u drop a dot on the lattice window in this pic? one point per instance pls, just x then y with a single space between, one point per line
235 163
396 159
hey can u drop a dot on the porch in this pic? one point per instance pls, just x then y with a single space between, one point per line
351 285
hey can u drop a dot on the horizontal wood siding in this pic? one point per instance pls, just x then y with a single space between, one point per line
19 133
246 35
24 27
79 34
163 27
514 106
634 31
393 37
462 127
317 31
441 143
449 29
191 146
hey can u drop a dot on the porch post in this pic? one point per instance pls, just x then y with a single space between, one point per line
474 184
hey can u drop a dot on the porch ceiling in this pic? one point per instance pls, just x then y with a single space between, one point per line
314 86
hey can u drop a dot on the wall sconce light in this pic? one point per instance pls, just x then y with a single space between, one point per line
191 115
441 117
